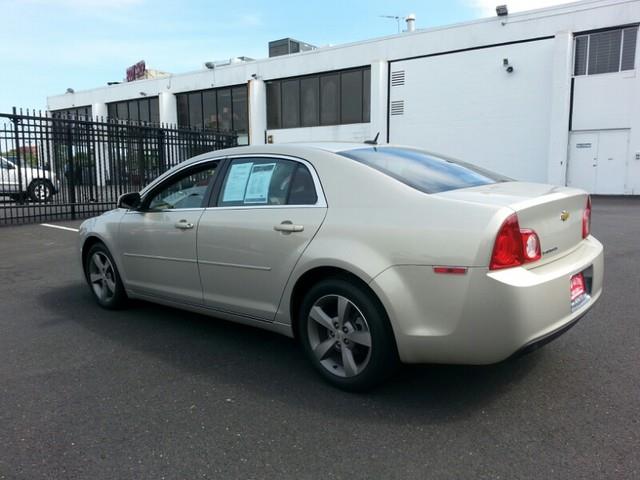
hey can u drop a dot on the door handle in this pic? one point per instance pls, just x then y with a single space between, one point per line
184 225
288 227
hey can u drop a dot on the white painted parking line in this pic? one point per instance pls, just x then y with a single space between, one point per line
59 227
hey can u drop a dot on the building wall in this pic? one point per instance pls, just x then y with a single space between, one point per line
468 106
517 124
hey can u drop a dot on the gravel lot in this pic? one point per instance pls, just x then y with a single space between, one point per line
152 392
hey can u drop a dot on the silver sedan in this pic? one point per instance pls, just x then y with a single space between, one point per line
368 255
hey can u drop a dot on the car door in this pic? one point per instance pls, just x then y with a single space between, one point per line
158 240
267 211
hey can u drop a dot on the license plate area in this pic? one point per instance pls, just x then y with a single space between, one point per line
580 288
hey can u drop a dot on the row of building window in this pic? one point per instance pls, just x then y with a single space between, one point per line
606 51
219 109
77 113
143 110
332 98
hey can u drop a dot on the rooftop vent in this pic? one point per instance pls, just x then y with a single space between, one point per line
222 63
287 46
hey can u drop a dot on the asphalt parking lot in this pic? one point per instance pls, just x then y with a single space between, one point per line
152 392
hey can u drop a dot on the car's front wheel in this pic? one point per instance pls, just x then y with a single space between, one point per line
103 277
346 334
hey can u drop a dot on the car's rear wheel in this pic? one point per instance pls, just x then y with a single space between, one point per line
40 190
346 335
103 278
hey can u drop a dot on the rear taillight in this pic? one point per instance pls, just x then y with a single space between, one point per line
530 245
586 219
514 246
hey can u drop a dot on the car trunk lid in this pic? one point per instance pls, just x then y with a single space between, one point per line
554 213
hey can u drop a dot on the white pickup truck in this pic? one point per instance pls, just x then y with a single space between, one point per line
38 183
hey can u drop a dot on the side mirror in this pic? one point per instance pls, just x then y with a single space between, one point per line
129 201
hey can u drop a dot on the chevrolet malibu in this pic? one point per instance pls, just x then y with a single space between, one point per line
367 255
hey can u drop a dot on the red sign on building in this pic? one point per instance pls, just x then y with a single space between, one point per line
136 71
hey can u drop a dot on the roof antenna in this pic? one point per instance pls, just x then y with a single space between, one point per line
374 141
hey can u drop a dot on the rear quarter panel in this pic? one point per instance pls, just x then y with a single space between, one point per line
374 222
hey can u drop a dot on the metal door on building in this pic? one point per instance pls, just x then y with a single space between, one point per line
598 161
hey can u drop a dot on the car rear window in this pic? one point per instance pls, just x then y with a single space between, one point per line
421 170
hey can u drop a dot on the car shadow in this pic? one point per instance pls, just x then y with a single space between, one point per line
272 366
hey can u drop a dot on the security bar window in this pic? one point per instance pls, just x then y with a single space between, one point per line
605 51
330 98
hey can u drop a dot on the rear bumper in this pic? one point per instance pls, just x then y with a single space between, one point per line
484 317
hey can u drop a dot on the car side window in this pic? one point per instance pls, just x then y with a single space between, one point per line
303 190
187 191
257 181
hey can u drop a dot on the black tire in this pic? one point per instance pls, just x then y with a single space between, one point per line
114 295
40 190
382 359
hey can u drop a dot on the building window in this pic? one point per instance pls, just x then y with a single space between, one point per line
142 110
218 109
77 113
605 51
332 98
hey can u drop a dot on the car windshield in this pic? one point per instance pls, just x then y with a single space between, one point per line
421 170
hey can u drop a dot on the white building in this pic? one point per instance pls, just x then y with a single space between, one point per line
549 95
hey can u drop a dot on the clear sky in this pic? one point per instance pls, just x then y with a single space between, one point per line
47 46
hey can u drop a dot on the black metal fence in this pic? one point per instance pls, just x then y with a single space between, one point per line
56 168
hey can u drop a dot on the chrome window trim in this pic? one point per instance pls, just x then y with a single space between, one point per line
185 164
321 202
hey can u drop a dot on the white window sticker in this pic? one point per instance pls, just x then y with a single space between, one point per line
259 181
237 182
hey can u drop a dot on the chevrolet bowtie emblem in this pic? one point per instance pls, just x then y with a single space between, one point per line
564 215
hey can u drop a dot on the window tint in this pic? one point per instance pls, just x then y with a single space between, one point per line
366 95
210 109
183 110
351 97
274 107
330 99
303 191
310 101
604 52
188 191
225 118
195 110
628 48
290 104
240 109
257 181
421 170
580 67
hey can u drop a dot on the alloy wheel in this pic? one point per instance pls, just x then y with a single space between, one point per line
339 335
102 276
